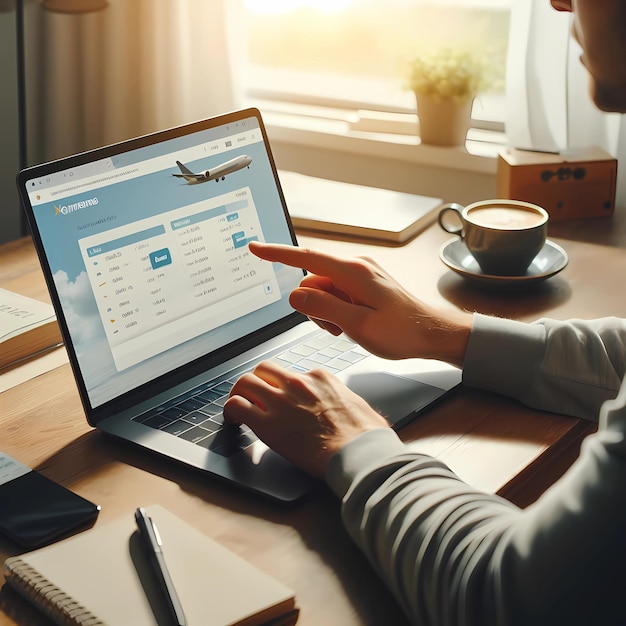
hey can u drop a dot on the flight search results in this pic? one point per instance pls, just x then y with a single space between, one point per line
164 280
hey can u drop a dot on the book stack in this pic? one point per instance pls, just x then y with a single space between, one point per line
28 328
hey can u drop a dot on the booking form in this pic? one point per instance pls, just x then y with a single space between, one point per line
161 281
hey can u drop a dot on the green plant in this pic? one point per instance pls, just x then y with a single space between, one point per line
449 73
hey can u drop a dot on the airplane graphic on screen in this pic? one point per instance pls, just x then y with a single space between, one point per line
215 173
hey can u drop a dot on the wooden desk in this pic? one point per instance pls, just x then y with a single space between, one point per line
492 442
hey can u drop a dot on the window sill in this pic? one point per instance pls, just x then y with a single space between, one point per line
381 136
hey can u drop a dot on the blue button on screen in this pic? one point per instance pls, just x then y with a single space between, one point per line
160 258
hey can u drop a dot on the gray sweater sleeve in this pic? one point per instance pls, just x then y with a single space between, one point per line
454 555
567 367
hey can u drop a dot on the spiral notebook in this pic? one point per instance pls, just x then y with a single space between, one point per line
103 577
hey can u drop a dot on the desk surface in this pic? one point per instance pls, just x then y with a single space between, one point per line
492 442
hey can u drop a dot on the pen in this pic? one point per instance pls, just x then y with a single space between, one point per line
152 539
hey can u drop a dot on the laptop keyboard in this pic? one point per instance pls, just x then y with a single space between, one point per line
196 415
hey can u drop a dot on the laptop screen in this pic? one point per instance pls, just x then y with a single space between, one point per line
147 249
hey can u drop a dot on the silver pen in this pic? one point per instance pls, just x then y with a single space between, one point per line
152 540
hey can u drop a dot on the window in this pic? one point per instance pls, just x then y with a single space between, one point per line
353 54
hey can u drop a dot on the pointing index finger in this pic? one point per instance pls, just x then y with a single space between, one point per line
305 258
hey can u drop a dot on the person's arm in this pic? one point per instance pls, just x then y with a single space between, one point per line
454 555
569 367
450 553
566 367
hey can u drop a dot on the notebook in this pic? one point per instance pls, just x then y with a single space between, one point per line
356 210
161 305
104 576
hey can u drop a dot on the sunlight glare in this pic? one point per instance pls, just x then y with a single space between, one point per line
284 6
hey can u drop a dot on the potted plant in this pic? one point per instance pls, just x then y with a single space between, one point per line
445 82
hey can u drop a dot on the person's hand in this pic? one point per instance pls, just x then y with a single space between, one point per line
306 418
361 299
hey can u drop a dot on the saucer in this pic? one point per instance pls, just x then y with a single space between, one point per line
550 260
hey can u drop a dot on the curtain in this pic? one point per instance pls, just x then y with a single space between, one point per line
548 103
135 67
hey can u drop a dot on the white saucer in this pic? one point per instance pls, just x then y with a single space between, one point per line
550 260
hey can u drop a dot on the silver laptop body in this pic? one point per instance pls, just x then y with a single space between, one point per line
144 248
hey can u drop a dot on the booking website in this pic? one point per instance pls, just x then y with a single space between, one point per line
149 253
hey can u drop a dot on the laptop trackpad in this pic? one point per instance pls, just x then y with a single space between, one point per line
392 396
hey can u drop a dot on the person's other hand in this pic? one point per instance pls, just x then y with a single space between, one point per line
306 418
361 299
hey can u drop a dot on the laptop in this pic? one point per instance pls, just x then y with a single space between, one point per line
162 306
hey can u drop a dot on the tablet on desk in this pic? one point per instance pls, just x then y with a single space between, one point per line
334 207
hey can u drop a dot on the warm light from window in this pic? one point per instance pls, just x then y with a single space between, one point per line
356 53
284 6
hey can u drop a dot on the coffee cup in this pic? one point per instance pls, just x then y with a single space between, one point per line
504 236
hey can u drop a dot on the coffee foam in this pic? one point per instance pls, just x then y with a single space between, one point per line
505 217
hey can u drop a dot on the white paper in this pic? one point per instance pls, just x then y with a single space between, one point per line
10 469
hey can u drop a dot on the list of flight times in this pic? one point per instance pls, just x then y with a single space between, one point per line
161 281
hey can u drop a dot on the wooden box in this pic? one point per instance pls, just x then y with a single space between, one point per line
573 185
